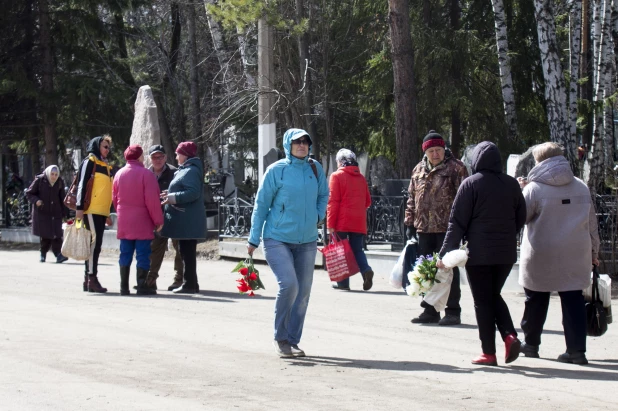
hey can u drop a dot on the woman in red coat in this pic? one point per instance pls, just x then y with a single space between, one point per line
347 212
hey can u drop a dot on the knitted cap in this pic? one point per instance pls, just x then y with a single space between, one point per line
187 148
433 139
133 152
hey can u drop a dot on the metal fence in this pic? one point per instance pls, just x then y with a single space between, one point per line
607 218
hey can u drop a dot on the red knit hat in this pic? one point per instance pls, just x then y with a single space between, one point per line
133 152
433 139
187 148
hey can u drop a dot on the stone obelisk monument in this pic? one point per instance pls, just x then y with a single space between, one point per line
146 130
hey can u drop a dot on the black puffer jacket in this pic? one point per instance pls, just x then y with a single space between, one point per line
488 212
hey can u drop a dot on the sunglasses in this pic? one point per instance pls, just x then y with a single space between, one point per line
300 141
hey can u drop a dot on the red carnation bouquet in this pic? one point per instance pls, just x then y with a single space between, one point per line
250 277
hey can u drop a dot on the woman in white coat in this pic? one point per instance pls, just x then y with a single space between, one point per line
560 244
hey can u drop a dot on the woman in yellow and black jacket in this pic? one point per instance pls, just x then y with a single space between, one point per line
98 209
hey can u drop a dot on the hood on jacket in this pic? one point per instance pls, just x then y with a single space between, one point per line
486 157
554 171
351 170
93 146
291 135
193 162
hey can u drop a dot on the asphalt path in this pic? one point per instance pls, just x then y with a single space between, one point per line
64 349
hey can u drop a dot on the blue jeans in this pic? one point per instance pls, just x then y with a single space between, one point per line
356 242
293 266
142 253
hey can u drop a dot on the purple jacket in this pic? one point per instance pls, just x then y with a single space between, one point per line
136 200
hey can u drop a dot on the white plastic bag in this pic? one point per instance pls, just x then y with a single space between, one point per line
77 241
437 296
396 278
605 290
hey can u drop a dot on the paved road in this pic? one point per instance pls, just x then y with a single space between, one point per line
63 349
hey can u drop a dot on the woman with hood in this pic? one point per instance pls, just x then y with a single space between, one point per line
347 212
488 212
98 208
290 203
560 243
184 215
46 193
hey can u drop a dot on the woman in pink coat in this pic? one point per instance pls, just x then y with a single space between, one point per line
136 200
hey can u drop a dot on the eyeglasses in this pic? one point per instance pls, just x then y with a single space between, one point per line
300 141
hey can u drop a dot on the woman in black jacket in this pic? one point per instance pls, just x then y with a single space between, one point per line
46 193
488 212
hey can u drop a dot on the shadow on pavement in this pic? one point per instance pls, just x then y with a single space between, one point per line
194 297
236 295
578 372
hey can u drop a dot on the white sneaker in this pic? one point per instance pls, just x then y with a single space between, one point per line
283 349
296 351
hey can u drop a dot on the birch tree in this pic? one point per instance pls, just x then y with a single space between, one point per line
575 31
555 89
504 63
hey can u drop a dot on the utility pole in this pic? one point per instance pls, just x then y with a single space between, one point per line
267 126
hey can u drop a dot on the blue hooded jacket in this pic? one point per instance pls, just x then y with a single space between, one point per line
290 202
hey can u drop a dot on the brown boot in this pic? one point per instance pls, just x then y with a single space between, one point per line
94 286
177 282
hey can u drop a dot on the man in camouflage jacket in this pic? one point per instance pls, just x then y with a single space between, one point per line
432 190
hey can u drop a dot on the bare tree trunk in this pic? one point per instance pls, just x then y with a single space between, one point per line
47 81
555 90
455 14
504 63
585 90
306 85
575 26
242 47
33 133
166 135
196 120
404 88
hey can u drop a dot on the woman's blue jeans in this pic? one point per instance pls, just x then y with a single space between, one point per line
356 242
141 248
293 266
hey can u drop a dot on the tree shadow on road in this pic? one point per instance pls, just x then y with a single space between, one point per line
610 372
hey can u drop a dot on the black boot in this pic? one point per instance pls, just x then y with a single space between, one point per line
142 289
85 282
125 271
60 258
42 259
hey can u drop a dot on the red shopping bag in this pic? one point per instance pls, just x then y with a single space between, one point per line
340 260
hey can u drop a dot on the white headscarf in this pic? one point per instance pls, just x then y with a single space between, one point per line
48 172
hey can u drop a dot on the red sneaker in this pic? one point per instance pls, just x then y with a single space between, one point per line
513 347
485 359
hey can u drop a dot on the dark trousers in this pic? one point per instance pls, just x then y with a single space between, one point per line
188 251
573 318
98 223
157 252
486 282
356 243
54 243
429 243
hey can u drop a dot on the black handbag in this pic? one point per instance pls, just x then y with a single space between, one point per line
596 319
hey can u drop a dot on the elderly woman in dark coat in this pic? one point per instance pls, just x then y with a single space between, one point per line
184 215
488 212
46 193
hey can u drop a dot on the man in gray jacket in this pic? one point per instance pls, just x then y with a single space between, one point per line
559 246
164 173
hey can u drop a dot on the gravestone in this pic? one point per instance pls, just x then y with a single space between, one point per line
380 170
511 164
525 164
273 155
466 158
146 130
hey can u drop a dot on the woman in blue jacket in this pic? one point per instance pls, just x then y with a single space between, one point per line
184 215
290 203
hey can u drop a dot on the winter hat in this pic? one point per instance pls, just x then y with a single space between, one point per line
133 152
433 139
187 148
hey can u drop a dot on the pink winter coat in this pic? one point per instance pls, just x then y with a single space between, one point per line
135 194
